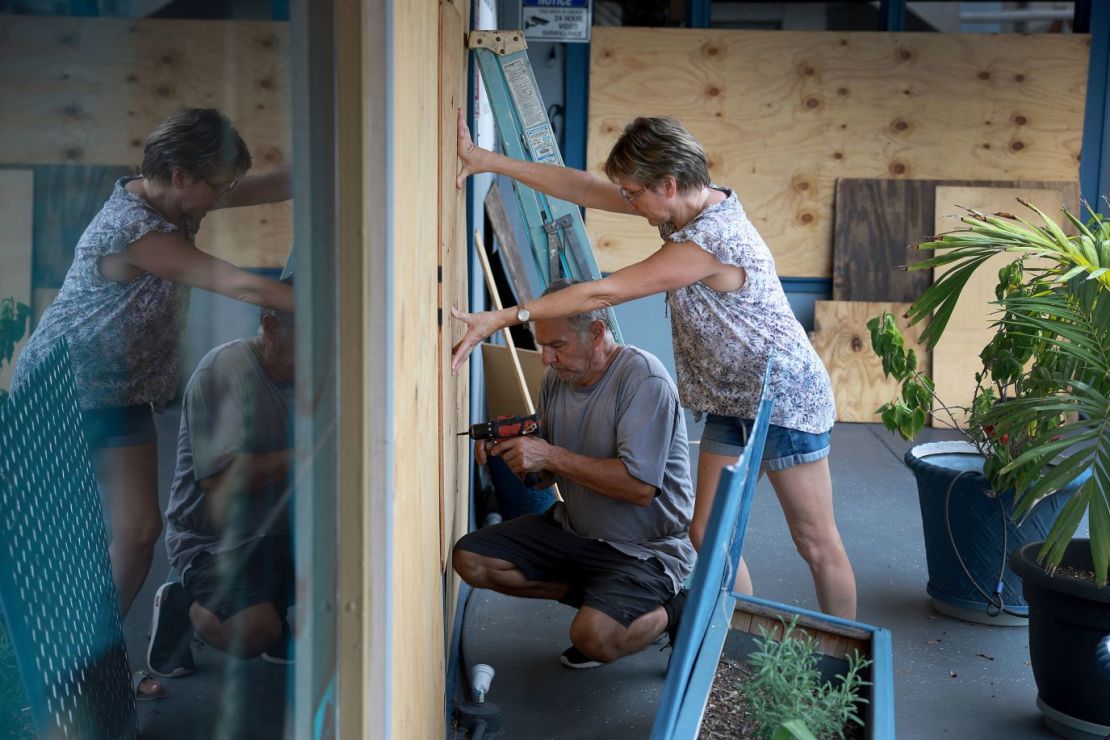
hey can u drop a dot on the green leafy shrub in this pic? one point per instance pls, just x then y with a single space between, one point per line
786 689
1043 395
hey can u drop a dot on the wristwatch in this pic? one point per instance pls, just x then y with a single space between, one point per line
522 314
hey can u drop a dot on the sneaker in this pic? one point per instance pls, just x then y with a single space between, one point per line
572 657
674 607
171 633
284 650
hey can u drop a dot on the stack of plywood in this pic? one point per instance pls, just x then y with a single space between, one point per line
878 224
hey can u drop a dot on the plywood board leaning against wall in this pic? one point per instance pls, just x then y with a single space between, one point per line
877 225
843 342
783 115
956 355
504 396
17 189
88 91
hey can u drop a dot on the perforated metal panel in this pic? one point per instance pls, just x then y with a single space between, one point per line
55 578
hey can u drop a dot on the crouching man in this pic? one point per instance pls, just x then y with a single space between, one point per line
227 528
617 548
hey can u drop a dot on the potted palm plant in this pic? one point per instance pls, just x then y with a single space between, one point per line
1040 421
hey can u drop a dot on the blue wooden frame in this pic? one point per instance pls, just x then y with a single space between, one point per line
718 559
706 621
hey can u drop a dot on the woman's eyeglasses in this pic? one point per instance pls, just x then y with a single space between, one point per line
222 188
628 196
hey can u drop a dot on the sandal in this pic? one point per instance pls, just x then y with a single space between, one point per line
146 687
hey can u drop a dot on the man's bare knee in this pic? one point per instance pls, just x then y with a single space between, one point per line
595 638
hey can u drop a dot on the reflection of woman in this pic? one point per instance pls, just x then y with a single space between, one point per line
122 310
728 313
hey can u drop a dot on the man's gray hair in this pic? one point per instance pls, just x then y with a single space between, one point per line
580 322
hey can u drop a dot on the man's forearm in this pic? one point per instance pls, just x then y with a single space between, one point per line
607 477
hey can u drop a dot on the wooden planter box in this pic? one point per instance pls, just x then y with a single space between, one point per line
736 624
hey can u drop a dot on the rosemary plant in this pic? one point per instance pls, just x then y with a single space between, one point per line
786 688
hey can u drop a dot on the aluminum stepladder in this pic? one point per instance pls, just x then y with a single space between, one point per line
560 245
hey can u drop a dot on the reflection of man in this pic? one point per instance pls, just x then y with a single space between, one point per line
618 547
228 525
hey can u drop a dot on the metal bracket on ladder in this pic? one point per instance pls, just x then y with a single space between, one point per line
560 245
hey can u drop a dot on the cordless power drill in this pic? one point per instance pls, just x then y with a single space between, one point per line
508 427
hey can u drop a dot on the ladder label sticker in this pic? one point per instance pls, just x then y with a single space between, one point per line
541 142
528 104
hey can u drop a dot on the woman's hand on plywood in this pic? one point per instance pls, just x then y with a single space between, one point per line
478 327
470 154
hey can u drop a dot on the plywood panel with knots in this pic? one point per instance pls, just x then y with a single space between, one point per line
88 91
878 223
783 115
843 343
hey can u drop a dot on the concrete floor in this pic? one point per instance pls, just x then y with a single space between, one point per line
953 679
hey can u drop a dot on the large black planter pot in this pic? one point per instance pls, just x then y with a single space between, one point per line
1068 618
977 526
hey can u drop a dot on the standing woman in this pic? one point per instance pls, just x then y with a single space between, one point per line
122 311
729 315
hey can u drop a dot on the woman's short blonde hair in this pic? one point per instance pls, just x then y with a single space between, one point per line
650 149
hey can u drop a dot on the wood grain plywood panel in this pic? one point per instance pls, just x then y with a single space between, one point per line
877 224
17 190
417 599
843 342
88 91
454 389
956 355
783 115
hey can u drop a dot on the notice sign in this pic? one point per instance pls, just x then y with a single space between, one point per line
556 20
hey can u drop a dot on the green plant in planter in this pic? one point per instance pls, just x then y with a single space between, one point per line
786 695
1043 395
15 319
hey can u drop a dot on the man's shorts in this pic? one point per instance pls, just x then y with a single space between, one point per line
119 426
228 582
600 576
785 448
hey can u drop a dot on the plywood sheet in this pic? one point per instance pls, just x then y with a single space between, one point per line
454 389
783 115
843 342
503 395
417 601
88 91
878 222
16 203
956 355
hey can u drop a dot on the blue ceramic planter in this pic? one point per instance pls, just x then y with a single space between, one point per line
983 532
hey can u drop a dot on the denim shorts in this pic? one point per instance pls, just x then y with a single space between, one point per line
119 426
785 448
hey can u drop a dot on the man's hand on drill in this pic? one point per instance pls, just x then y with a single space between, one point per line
523 454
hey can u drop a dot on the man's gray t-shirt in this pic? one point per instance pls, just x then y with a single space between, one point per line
632 413
231 406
